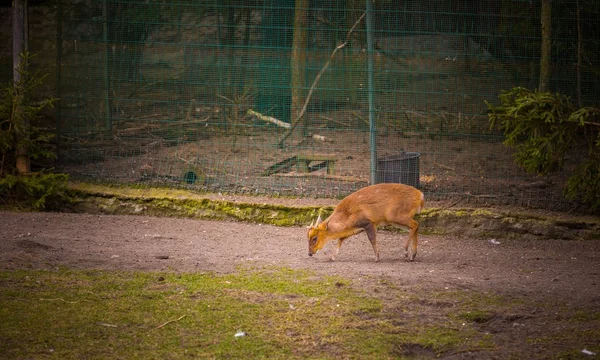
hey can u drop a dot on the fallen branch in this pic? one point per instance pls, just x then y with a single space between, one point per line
359 116
170 321
270 119
452 204
333 120
346 178
280 123
444 166
319 137
281 166
157 127
317 78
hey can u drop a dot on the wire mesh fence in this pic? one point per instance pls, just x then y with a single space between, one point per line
207 94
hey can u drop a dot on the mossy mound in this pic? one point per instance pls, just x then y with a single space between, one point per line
474 222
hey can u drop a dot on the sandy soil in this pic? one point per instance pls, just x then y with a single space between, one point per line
563 268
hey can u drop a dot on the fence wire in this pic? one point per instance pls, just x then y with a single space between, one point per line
202 94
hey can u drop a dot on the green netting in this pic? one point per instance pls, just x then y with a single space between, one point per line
184 93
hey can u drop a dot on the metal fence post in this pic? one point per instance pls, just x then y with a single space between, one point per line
370 89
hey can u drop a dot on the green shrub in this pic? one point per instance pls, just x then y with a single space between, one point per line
36 190
19 114
544 127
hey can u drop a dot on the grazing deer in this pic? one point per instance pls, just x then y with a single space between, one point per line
364 210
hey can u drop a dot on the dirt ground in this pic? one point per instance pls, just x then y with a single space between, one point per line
564 271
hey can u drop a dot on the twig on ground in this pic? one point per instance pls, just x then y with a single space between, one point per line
444 166
106 324
170 321
333 120
59 299
451 205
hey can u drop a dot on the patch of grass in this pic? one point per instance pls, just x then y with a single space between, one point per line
285 314
581 315
476 316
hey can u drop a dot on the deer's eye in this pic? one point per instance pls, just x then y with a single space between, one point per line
313 240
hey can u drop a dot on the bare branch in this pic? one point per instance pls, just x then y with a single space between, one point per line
316 81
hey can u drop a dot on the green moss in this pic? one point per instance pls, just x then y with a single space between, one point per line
169 202
586 316
483 213
432 231
434 221
476 316
435 212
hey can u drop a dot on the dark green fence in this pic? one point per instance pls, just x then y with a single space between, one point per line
201 94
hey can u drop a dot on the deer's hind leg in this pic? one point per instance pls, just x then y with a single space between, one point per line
410 246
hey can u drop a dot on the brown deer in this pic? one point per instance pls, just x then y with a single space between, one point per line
364 210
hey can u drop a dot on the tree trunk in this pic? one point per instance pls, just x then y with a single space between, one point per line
231 27
546 20
579 51
298 62
20 47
